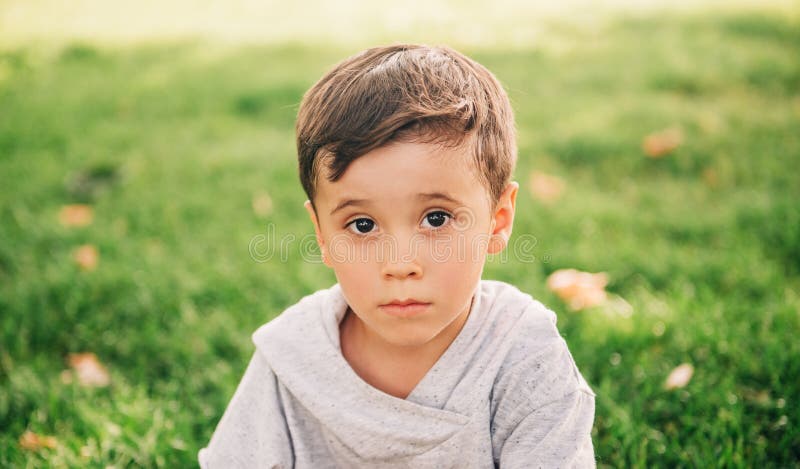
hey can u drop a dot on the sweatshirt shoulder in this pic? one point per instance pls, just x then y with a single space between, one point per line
292 320
538 367
534 322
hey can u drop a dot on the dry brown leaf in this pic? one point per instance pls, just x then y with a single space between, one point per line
86 257
759 396
32 442
662 143
262 204
75 215
89 370
710 177
679 377
578 289
546 187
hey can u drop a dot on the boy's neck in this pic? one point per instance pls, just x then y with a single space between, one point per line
395 370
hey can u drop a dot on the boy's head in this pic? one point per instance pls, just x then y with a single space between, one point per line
403 93
406 154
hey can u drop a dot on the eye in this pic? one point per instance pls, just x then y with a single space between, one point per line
437 219
361 225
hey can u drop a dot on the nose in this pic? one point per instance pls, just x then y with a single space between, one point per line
402 261
401 269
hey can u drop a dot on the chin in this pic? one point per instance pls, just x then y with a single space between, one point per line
409 340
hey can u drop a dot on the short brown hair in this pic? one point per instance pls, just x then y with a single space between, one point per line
406 92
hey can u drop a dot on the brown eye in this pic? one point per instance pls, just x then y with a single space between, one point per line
362 225
437 219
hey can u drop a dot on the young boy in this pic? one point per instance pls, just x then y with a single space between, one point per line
410 359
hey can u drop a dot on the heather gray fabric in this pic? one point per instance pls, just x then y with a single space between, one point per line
506 393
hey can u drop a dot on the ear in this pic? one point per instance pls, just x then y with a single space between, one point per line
320 240
503 219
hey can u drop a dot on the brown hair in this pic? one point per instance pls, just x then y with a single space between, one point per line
406 92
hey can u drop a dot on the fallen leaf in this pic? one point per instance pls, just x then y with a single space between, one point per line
759 396
89 370
124 106
546 187
262 204
86 257
679 377
86 451
578 289
662 143
154 248
710 177
75 215
32 442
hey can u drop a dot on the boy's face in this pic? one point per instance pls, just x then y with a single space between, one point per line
402 241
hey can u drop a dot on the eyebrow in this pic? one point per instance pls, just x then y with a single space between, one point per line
425 196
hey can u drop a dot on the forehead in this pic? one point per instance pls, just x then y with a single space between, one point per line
400 171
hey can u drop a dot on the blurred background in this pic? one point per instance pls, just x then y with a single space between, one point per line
148 177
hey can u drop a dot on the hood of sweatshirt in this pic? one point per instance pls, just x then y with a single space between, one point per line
302 347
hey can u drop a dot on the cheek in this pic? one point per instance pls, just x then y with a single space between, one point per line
352 264
480 246
347 253
338 248
359 281
458 250
459 258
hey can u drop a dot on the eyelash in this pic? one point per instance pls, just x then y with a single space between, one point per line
435 228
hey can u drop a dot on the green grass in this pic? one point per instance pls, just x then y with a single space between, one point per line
169 142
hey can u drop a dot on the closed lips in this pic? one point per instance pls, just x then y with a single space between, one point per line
405 303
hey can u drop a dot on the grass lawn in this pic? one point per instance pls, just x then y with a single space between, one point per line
171 143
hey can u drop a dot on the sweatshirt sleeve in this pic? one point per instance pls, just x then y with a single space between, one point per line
253 431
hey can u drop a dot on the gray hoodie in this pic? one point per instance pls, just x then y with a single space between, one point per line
506 393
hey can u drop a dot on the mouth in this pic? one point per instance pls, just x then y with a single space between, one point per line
404 308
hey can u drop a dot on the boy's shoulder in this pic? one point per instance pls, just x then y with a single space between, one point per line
529 327
538 367
535 318
296 318
541 407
